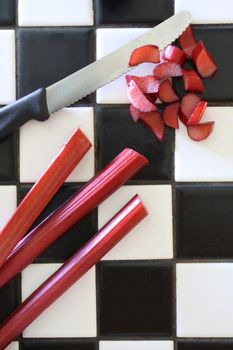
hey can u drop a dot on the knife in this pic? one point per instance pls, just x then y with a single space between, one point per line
43 102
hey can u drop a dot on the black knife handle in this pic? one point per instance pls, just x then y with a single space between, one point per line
14 115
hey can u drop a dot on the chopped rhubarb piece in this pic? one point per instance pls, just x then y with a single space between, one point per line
72 270
171 115
152 97
188 103
42 192
114 174
197 114
167 70
182 118
166 92
154 121
147 53
203 61
134 112
147 84
138 99
174 54
201 131
192 81
187 41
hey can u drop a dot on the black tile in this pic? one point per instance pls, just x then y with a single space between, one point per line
132 12
58 344
204 221
218 41
205 345
116 130
48 55
8 158
75 237
7 12
8 299
135 298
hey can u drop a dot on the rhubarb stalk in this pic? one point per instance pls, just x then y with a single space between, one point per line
41 193
115 174
71 271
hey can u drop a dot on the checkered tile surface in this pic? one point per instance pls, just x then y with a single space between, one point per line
169 284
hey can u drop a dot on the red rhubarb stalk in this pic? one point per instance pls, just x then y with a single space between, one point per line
188 104
115 174
41 193
171 115
154 122
203 61
70 272
138 99
167 70
192 81
166 93
197 114
147 84
200 132
146 53
174 54
187 42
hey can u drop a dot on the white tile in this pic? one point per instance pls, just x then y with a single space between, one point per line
8 203
211 159
204 300
7 66
136 345
152 238
109 40
40 142
207 11
13 346
55 12
72 315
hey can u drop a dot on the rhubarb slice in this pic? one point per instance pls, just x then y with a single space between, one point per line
166 92
167 70
187 41
197 114
188 103
134 112
147 53
174 54
147 84
72 270
171 115
192 81
42 192
200 132
115 174
154 121
203 61
138 99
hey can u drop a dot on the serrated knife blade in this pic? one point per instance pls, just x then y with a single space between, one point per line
43 102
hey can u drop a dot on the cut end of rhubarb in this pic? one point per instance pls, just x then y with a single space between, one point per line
147 84
174 54
171 115
134 112
203 61
188 104
187 41
154 121
197 114
200 132
167 70
147 53
192 81
138 99
166 92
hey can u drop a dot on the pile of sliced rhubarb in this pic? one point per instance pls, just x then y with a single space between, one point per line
144 91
